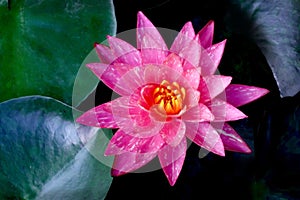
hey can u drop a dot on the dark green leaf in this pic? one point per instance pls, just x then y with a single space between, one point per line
274 26
44 154
43 43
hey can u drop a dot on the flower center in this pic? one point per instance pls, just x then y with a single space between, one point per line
169 97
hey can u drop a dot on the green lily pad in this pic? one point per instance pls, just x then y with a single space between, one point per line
43 43
45 155
274 26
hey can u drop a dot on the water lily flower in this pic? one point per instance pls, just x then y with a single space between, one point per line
167 95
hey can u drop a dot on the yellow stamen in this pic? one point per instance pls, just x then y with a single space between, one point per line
169 97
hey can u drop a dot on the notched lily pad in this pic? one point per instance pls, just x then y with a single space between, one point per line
44 154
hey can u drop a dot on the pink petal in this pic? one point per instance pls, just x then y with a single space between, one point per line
204 135
232 141
211 86
238 95
153 56
192 97
211 57
147 34
224 111
174 62
131 81
129 161
184 37
171 160
105 54
133 119
122 142
124 52
113 74
206 34
100 116
156 74
198 113
173 132
193 77
190 54
123 78
97 68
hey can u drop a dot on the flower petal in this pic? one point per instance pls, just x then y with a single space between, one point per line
105 54
211 57
97 68
156 74
171 160
193 77
122 142
124 52
147 34
132 119
190 54
128 161
199 113
184 37
224 111
192 97
173 132
205 35
204 135
113 74
153 56
238 95
211 86
100 116
232 141
174 62
131 81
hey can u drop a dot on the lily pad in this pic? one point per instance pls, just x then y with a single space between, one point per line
44 154
43 43
274 26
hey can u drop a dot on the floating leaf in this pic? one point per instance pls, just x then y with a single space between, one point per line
43 152
43 43
274 26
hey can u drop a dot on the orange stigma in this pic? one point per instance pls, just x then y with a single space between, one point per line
169 97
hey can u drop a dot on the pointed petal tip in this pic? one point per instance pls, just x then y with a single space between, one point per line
222 154
87 119
143 21
82 119
116 173
210 25
107 152
223 42
171 182
242 149
78 120
140 14
189 23
188 29
96 44
264 91
247 150
211 22
238 95
219 149
109 37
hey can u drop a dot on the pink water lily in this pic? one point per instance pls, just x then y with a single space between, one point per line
166 97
